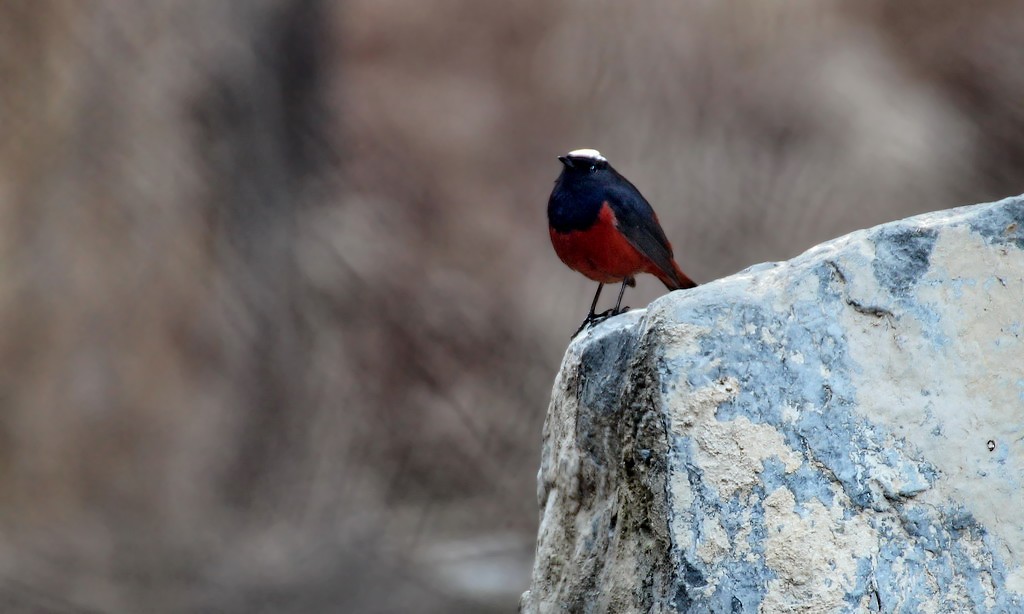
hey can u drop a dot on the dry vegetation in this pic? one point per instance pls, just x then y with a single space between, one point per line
279 316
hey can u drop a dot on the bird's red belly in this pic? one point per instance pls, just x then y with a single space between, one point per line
600 252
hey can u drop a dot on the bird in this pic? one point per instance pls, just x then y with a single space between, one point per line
601 226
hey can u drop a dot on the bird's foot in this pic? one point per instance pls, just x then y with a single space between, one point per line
597 318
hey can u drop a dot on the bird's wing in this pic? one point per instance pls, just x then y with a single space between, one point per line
639 224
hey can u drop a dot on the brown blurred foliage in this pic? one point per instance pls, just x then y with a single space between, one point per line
279 315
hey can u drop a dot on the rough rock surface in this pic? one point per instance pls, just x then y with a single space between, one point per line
840 432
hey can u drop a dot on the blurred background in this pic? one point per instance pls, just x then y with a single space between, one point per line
279 317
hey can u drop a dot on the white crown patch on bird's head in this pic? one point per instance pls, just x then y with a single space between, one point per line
591 154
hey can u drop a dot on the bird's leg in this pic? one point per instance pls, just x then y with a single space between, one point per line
593 305
629 281
593 317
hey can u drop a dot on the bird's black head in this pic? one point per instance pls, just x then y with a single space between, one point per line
585 183
583 161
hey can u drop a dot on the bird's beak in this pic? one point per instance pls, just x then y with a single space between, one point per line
566 160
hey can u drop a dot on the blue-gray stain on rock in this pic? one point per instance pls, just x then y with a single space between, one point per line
1002 225
602 369
769 382
753 345
780 334
743 583
901 256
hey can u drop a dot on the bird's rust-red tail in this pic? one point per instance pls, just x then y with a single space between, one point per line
674 279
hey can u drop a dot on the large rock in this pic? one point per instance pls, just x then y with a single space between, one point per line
840 432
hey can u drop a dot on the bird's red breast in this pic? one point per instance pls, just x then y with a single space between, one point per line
603 253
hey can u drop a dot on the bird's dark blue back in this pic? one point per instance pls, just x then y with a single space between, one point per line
580 193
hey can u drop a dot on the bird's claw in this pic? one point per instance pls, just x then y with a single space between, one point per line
591 320
597 318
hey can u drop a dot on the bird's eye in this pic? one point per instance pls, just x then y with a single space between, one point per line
593 167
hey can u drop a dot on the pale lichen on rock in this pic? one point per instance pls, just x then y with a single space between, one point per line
840 432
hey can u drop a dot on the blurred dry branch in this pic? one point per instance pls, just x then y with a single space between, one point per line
279 315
